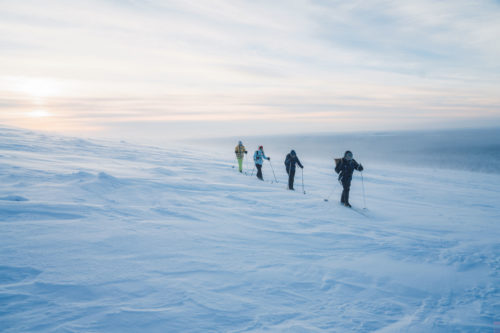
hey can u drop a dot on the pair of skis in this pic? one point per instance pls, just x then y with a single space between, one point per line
363 185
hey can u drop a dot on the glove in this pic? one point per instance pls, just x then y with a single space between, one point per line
360 168
246 152
302 167
268 158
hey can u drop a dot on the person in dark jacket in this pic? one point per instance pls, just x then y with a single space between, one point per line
345 168
290 161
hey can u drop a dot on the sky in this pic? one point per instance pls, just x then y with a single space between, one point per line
191 69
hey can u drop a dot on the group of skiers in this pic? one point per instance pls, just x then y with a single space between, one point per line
344 167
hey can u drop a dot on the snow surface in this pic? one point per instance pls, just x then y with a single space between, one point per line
111 237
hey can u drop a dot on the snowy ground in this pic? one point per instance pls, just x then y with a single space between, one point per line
112 237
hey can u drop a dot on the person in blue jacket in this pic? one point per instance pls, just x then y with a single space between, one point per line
290 161
345 168
259 158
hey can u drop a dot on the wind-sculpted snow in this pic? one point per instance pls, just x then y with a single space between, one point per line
112 237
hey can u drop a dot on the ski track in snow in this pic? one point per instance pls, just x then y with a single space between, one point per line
112 237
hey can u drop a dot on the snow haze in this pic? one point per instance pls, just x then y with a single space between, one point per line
475 150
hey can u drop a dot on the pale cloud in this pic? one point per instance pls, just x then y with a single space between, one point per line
353 65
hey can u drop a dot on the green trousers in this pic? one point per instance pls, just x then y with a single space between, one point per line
240 164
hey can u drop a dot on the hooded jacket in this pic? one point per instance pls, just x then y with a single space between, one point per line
240 150
345 168
259 157
290 162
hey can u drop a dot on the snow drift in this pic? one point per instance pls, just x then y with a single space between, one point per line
112 237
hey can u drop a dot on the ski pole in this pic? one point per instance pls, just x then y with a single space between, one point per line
273 171
303 181
252 171
363 185
331 193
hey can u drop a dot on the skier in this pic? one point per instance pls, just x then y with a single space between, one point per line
239 150
290 161
259 157
345 168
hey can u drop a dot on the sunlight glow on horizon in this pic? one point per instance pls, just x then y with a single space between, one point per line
280 66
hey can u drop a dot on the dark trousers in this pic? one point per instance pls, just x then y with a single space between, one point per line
345 193
291 177
259 171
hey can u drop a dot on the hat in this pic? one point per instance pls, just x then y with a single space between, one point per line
261 147
348 154
293 153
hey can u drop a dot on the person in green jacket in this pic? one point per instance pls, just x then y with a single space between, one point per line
240 151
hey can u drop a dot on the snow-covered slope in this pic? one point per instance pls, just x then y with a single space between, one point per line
112 237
